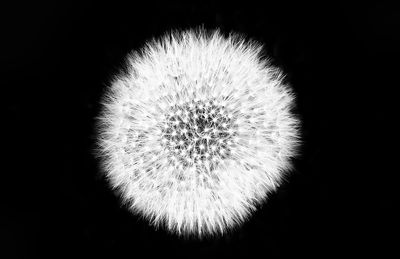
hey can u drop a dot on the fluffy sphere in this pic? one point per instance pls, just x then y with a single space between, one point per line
197 131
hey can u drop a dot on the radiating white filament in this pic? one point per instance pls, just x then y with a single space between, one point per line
198 132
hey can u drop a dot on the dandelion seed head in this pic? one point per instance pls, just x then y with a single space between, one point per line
198 132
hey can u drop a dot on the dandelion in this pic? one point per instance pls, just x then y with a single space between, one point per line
198 131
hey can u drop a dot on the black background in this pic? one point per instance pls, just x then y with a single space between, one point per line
58 58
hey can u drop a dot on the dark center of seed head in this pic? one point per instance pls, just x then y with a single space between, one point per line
196 132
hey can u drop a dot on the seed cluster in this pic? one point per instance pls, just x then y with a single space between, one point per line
199 132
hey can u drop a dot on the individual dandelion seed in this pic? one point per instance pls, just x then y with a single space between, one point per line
198 132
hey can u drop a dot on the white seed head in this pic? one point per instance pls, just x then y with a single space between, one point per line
198 132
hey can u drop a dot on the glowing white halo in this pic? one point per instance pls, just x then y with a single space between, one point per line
198 131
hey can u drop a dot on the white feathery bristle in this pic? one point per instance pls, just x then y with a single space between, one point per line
198 132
